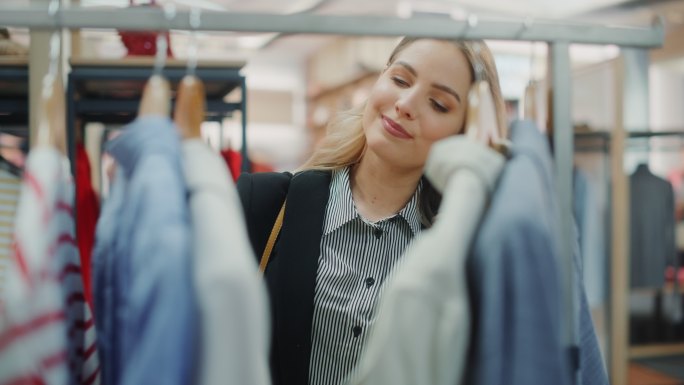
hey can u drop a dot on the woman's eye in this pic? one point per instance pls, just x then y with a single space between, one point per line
399 81
438 107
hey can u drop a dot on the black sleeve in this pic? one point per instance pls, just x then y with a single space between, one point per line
262 195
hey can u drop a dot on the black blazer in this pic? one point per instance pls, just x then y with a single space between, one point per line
291 272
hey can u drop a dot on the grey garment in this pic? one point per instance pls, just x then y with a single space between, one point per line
142 271
652 228
356 259
513 275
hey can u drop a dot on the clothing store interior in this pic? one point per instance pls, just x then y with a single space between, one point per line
535 238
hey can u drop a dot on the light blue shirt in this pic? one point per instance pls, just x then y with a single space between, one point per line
513 275
144 302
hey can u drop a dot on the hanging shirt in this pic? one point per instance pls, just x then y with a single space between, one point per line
231 295
586 256
46 328
9 197
88 210
356 259
513 275
422 327
142 270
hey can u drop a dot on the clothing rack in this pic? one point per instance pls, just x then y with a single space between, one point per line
559 36
14 96
95 93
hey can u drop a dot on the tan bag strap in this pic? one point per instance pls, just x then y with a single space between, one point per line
271 239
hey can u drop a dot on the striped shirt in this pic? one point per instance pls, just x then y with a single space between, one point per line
46 328
356 258
9 197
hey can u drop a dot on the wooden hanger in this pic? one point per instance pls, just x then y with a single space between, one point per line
530 100
156 95
52 119
190 101
190 107
481 121
482 124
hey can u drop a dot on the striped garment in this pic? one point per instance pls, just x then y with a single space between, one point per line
9 197
46 328
356 259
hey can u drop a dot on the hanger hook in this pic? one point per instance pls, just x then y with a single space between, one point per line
478 68
162 41
195 22
527 24
471 22
55 46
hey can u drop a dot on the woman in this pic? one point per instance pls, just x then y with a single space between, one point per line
359 202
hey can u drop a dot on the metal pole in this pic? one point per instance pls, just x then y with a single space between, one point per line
435 26
632 113
246 164
563 142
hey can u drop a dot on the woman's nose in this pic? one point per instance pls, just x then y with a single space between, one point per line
405 107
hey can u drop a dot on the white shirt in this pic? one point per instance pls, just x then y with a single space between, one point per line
422 327
232 299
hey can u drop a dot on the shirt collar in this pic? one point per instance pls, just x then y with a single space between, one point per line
411 213
341 208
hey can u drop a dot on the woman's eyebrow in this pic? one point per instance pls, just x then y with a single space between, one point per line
448 90
408 67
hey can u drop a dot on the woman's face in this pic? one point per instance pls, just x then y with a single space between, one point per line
419 99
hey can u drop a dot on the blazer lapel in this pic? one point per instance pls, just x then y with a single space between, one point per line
299 249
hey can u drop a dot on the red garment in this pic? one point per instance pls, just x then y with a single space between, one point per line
234 161
144 43
87 212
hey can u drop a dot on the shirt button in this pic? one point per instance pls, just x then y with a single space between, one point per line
370 281
357 331
377 232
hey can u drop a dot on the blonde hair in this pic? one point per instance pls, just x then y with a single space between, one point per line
345 143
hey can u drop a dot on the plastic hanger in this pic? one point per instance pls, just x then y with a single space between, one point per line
190 102
52 120
156 95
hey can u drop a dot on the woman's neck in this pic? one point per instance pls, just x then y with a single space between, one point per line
380 190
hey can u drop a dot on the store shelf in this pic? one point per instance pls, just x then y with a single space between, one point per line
14 95
656 350
109 91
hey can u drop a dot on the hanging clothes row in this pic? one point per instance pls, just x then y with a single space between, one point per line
47 333
477 299
178 298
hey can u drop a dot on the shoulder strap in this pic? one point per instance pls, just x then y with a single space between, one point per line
271 239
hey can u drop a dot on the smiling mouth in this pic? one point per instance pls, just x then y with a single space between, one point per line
395 129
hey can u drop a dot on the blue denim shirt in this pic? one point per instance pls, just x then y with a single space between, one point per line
514 277
144 301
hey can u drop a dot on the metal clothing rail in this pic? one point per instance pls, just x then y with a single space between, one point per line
604 138
308 23
558 34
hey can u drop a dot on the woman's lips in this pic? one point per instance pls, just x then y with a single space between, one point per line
395 129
